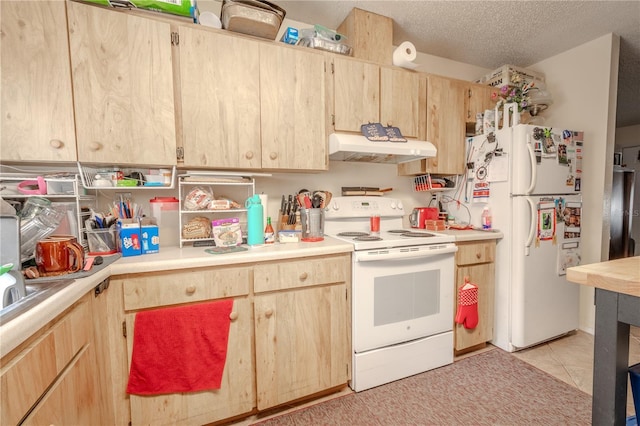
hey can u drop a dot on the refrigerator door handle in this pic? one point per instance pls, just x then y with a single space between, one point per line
532 159
532 226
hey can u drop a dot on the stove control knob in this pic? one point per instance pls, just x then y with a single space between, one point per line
400 207
393 205
335 206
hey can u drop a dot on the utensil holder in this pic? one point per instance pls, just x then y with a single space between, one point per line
312 224
102 241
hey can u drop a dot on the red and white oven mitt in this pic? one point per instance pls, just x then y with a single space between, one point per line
467 314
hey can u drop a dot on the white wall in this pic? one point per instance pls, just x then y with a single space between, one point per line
583 82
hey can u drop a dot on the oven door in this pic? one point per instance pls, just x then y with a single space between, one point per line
402 294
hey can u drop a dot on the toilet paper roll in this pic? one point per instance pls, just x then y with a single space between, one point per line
404 55
263 200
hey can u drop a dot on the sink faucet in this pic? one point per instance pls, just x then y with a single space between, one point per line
12 287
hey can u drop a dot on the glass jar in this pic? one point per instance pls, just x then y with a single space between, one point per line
33 207
37 228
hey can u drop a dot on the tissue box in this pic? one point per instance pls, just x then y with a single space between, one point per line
129 237
290 36
150 239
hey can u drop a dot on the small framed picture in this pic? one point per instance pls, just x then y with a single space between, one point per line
617 158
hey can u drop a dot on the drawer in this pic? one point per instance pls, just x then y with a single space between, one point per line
184 286
477 252
302 273
26 377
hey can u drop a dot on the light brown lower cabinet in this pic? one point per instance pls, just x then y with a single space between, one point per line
50 379
476 261
302 333
288 338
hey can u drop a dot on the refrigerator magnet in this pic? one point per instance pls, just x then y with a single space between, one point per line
546 222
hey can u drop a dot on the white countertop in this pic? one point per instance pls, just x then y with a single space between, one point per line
473 234
18 330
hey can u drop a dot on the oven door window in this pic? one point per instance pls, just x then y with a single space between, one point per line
396 301
405 297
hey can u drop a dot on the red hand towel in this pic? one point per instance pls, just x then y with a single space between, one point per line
180 349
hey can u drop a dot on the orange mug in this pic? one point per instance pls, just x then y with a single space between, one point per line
59 254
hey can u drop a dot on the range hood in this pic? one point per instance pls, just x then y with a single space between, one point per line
348 147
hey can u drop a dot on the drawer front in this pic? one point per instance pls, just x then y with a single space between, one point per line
27 376
473 253
302 273
185 286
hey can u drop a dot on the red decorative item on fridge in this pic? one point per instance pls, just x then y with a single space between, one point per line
467 314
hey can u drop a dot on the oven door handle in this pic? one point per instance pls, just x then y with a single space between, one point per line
399 255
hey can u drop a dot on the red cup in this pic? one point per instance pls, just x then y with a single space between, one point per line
374 222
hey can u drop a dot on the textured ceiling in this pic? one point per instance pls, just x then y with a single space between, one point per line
493 33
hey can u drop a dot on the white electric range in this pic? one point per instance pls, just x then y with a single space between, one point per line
402 291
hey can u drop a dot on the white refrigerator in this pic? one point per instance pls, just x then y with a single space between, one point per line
530 177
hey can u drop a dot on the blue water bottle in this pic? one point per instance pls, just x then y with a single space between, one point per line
255 225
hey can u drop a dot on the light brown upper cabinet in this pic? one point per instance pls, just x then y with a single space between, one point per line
369 93
445 114
251 105
37 104
400 99
292 105
478 100
123 87
220 96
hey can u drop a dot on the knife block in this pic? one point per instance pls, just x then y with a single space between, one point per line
284 225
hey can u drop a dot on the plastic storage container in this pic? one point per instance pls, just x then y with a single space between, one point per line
167 213
102 241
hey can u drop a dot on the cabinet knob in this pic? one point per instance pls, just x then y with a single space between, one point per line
273 155
478 255
95 146
233 316
268 313
249 155
304 276
191 289
55 143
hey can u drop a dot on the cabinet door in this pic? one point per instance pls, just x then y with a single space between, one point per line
292 89
446 124
302 343
123 87
54 374
37 107
220 97
73 398
483 276
236 395
357 94
478 100
400 100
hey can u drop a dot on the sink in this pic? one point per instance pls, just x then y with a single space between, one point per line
35 293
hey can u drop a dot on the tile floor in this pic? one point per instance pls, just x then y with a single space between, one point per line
570 359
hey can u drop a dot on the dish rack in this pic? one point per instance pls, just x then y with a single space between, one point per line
435 183
62 188
91 177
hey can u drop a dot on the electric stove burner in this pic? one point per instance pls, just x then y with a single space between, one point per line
352 234
367 237
416 234
398 231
